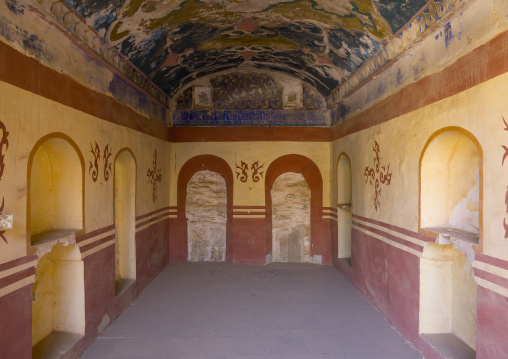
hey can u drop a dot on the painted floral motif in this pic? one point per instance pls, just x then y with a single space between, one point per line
242 171
154 176
96 152
107 164
256 174
372 173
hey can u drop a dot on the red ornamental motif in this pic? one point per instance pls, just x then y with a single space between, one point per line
154 175
241 171
255 174
4 142
385 176
505 225
96 152
107 165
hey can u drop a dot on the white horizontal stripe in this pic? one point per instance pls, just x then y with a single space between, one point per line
249 216
96 238
392 232
17 269
491 269
330 217
390 242
492 286
98 248
17 285
151 217
151 223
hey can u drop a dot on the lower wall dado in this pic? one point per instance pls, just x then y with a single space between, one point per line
102 302
386 266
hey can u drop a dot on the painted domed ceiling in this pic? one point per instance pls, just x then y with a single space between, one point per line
174 42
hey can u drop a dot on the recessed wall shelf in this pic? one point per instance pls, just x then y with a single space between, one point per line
455 234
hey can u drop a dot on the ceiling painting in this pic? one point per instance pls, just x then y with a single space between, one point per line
174 42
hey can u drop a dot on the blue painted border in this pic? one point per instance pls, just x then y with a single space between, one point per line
319 117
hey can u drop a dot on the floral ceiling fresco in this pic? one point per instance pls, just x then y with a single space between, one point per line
175 42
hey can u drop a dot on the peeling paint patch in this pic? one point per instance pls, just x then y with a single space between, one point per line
128 95
448 35
15 6
400 77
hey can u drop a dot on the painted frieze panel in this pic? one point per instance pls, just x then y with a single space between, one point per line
239 90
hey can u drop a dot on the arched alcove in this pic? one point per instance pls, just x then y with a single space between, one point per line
448 301
58 303
344 208
290 219
451 187
55 190
192 166
206 212
125 220
320 251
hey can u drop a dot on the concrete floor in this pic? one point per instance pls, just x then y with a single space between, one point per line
220 311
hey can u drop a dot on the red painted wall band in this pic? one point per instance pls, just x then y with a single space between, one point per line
17 262
503 282
16 277
97 243
30 75
404 231
251 133
480 65
154 219
153 212
500 263
95 233
390 237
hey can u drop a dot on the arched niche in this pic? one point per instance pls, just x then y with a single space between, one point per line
193 165
344 208
448 301
308 169
451 187
58 302
290 219
55 192
125 219
206 212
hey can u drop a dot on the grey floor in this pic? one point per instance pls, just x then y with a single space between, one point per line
220 311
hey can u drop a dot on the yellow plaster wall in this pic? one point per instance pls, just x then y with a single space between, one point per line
479 110
29 117
251 193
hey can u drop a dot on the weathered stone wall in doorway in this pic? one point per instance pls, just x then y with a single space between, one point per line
291 219
206 212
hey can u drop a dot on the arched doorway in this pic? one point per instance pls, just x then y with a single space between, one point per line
290 219
213 172
206 213
320 250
